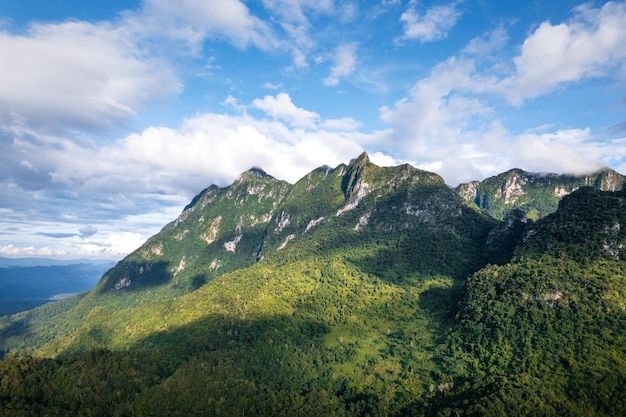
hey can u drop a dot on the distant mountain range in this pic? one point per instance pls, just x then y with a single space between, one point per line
359 290
22 262
537 194
26 287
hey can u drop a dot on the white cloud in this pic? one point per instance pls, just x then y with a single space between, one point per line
381 159
345 124
445 125
291 16
17 251
295 10
77 74
434 110
122 243
344 63
568 151
281 107
210 147
587 46
270 86
489 42
115 246
434 25
193 21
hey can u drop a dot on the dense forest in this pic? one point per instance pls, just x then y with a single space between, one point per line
358 291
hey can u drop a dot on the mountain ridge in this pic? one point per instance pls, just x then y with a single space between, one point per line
358 290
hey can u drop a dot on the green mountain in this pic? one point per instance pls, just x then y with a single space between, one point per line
536 194
545 333
359 290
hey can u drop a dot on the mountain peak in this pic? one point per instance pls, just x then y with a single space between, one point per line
256 173
361 160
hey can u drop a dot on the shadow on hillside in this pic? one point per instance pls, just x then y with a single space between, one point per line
423 253
442 302
272 365
135 276
20 327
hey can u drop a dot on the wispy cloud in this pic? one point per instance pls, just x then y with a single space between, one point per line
194 21
56 235
344 63
78 75
433 25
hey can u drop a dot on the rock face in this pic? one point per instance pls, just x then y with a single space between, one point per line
536 194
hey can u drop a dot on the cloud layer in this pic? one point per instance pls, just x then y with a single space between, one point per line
84 172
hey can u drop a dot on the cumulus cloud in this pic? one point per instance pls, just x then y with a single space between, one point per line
344 63
344 123
586 46
17 251
210 147
281 107
446 125
433 25
78 74
434 109
569 151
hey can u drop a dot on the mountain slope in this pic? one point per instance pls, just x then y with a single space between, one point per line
545 334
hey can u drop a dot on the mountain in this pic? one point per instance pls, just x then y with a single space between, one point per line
536 194
359 290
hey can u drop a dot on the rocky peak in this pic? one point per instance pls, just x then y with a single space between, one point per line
205 197
354 180
513 187
468 191
254 173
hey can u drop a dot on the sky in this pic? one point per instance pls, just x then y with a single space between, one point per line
115 113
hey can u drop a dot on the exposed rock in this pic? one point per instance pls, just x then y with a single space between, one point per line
122 283
287 239
180 267
314 223
283 221
363 220
513 188
232 245
360 190
211 233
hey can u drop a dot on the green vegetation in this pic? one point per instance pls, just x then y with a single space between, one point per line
358 291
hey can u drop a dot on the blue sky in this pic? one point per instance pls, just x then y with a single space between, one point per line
114 114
